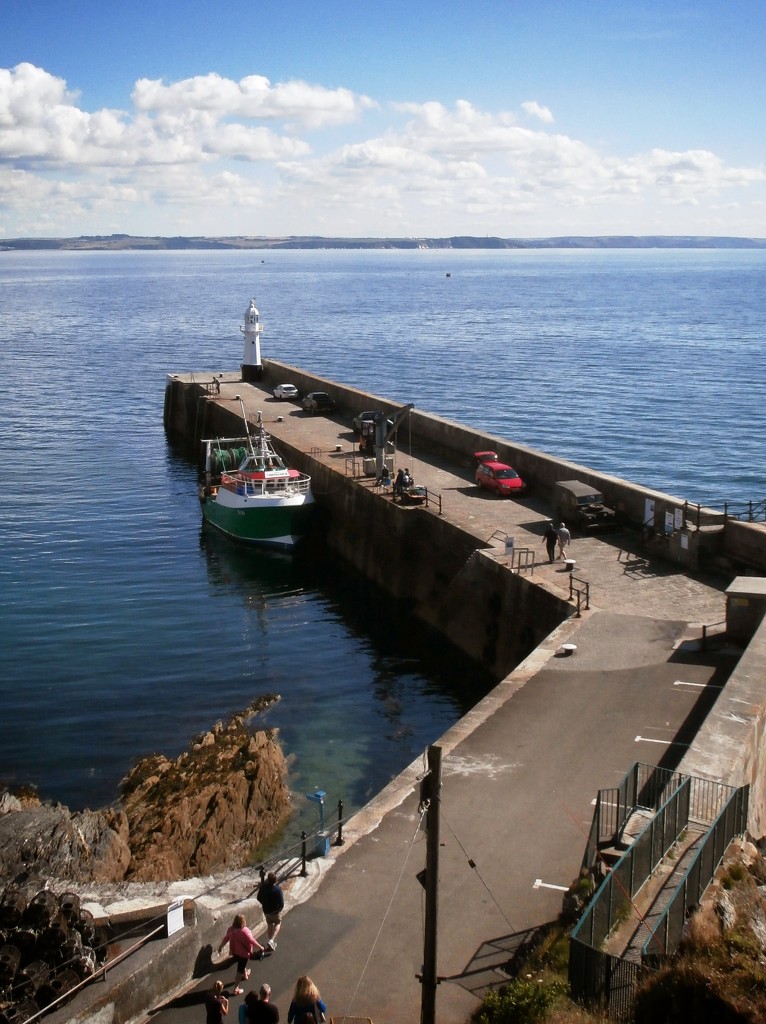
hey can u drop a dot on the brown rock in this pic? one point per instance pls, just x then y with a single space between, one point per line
203 812
208 809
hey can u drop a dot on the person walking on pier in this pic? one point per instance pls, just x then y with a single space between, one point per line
550 538
216 1004
564 538
272 900
244 946
260 1009
306 1003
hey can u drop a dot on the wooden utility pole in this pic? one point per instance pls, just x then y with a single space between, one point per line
430 979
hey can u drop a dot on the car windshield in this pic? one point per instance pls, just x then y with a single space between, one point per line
506 474
590 499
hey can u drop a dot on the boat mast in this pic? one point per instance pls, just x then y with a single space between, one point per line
250 448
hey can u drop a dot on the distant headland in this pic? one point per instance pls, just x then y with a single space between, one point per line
119 242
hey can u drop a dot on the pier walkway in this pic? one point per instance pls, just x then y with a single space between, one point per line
520 771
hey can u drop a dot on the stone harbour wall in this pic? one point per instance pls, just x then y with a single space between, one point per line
703 534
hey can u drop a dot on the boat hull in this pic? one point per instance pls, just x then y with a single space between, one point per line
269 522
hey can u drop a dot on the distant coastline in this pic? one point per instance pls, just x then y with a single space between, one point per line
119 242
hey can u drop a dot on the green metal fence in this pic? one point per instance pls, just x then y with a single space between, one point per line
612 900
644 786
667 931
609 981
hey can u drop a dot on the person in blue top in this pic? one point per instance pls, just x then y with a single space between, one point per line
307 1003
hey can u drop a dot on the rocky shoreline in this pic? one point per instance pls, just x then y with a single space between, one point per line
204 812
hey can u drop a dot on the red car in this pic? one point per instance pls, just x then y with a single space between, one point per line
496 477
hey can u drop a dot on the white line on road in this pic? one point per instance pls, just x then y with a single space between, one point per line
699 686
540 884
645 739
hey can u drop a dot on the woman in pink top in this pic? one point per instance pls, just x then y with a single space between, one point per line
244 946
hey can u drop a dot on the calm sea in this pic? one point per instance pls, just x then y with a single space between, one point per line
125 630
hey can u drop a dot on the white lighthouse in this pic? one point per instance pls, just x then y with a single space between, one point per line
252 368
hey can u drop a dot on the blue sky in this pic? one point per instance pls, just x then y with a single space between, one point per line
520 118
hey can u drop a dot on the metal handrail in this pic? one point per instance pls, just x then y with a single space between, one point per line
434 498
730 822
99 974
657 848
258 488
584 590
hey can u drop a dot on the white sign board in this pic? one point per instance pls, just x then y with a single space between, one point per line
175 920
510 544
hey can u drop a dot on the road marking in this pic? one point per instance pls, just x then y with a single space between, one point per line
540 884
699 686
668 743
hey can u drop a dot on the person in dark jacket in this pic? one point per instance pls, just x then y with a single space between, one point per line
551 538
216 1004
272 900
260 1009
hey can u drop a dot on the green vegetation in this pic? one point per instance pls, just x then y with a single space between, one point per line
522 1001
539 992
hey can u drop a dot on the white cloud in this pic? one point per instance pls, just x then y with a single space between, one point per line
207 150
253 97
535 109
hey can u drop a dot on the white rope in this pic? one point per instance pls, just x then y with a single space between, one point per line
388 910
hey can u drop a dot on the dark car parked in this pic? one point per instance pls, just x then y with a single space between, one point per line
581 506
317 401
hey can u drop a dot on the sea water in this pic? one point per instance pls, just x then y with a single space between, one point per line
126 629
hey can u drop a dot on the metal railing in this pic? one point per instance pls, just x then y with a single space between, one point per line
609 981
666 934
581 593
276 487
524 560
747 511
643 787
714 514
614 979
434 498
613 899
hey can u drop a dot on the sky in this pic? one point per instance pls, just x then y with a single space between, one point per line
382 118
